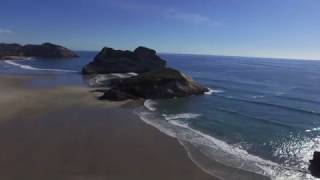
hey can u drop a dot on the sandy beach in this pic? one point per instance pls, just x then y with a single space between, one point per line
65 133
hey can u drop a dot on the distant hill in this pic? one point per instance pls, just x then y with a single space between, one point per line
45 50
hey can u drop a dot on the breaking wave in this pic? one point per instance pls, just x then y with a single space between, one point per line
104 79
313 129
184 116
13 63
150 105
213 91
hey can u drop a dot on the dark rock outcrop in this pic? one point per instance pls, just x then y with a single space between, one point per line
156 84
152 81
116 95
315 165
117 61
10 50
46 50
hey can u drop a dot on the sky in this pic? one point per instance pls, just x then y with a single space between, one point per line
263 28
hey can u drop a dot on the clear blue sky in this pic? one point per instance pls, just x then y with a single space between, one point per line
268 28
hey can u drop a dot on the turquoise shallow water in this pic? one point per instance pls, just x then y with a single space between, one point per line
262 116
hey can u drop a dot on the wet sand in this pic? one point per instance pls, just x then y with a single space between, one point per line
65 133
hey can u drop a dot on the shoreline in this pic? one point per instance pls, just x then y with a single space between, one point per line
66 133
203 151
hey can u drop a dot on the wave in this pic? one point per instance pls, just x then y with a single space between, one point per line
36 69
235 82
258 97
184 116
98 80
254 93
104 79
124 75
179 123
255 118
150 105
313 129
216 150
232 98
214 91
299 99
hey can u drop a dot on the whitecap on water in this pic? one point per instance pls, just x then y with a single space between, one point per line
257 97
213 91
313 129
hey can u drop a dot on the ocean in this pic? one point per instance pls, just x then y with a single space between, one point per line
262 115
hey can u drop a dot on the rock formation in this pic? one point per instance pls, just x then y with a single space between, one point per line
157 84
10 50
46 50
153 80
315 165
117 61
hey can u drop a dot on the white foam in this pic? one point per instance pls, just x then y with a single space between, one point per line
216 149
213 91
179 123
133 74
102 79
20 58
181 116
150 104
149 118
226 148
124 75
313 129
98 80
257 97
35 69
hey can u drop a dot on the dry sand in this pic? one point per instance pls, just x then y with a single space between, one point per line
65 133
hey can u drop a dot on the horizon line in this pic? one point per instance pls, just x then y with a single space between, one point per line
240 56
199 54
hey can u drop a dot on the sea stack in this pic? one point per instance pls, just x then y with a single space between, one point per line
315 164
157 84
154 79
117 61
45 50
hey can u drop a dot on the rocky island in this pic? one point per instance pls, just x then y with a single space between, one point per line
45 50
154 79
118 61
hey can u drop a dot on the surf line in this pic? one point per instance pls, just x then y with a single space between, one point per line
36 69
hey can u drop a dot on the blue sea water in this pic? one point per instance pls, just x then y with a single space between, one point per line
262 116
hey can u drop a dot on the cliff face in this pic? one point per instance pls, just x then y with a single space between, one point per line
46 50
